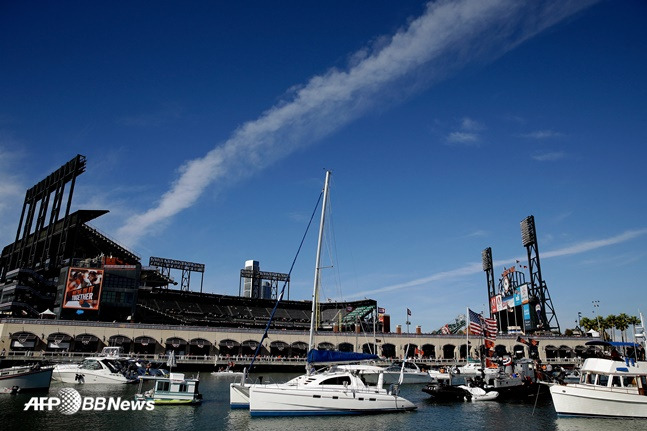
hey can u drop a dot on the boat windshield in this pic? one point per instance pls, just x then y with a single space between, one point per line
397 366
90 364
112 365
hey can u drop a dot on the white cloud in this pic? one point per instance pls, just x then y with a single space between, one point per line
477 267
469 124
549 157
541 134
462 138
447 36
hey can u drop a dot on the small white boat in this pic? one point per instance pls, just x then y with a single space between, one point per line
25 378
607 388
474 369
227 372
479 394
173 389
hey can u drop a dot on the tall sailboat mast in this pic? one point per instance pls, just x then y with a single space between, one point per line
315 289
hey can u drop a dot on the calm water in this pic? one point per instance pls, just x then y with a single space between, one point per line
214 414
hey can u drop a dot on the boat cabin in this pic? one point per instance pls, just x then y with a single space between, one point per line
174 389
615 375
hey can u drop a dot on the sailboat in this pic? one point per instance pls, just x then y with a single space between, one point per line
333 391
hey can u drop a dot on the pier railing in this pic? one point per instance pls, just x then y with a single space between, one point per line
241 360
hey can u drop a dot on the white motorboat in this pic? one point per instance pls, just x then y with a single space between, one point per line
92 370
171 389
25 378
607 388
474 369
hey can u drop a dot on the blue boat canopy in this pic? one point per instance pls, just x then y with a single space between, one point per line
328 356
611 343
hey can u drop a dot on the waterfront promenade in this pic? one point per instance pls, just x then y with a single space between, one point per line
206 347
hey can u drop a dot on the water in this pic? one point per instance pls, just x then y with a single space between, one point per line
215 414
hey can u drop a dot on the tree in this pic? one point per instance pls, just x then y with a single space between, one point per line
621 324
609 322
634 320
587 323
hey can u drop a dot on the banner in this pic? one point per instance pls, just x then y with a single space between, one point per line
523 289
517 297
83 288
527 321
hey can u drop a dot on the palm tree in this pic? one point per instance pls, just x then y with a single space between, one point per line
634 320
587 323
622 323
609 322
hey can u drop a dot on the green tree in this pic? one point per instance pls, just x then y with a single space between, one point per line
633 321
609 322
587 323
622 323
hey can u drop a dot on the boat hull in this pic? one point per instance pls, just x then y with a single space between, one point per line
580 400
80 376
26 379
394 378
276 400
239 395
168 401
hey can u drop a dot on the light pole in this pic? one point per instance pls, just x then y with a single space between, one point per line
596 304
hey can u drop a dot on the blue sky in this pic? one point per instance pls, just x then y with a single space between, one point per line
208 127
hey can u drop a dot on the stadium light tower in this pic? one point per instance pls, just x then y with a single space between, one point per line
546 316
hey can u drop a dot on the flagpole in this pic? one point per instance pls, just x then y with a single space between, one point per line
467 332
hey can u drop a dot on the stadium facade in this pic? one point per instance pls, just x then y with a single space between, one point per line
60 266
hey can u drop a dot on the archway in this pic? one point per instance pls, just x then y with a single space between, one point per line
176 344
449 351
200 347
87 343
120 341
59 342
279 349
24 341
346 347
388 350
299 349
429 351
229 347
145 345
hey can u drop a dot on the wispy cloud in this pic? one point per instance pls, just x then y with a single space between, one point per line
462 138
477 267
449 35
549 157
167 112
541 134
467 134
477 234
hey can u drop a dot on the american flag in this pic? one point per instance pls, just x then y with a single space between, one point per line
478 325
475 326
